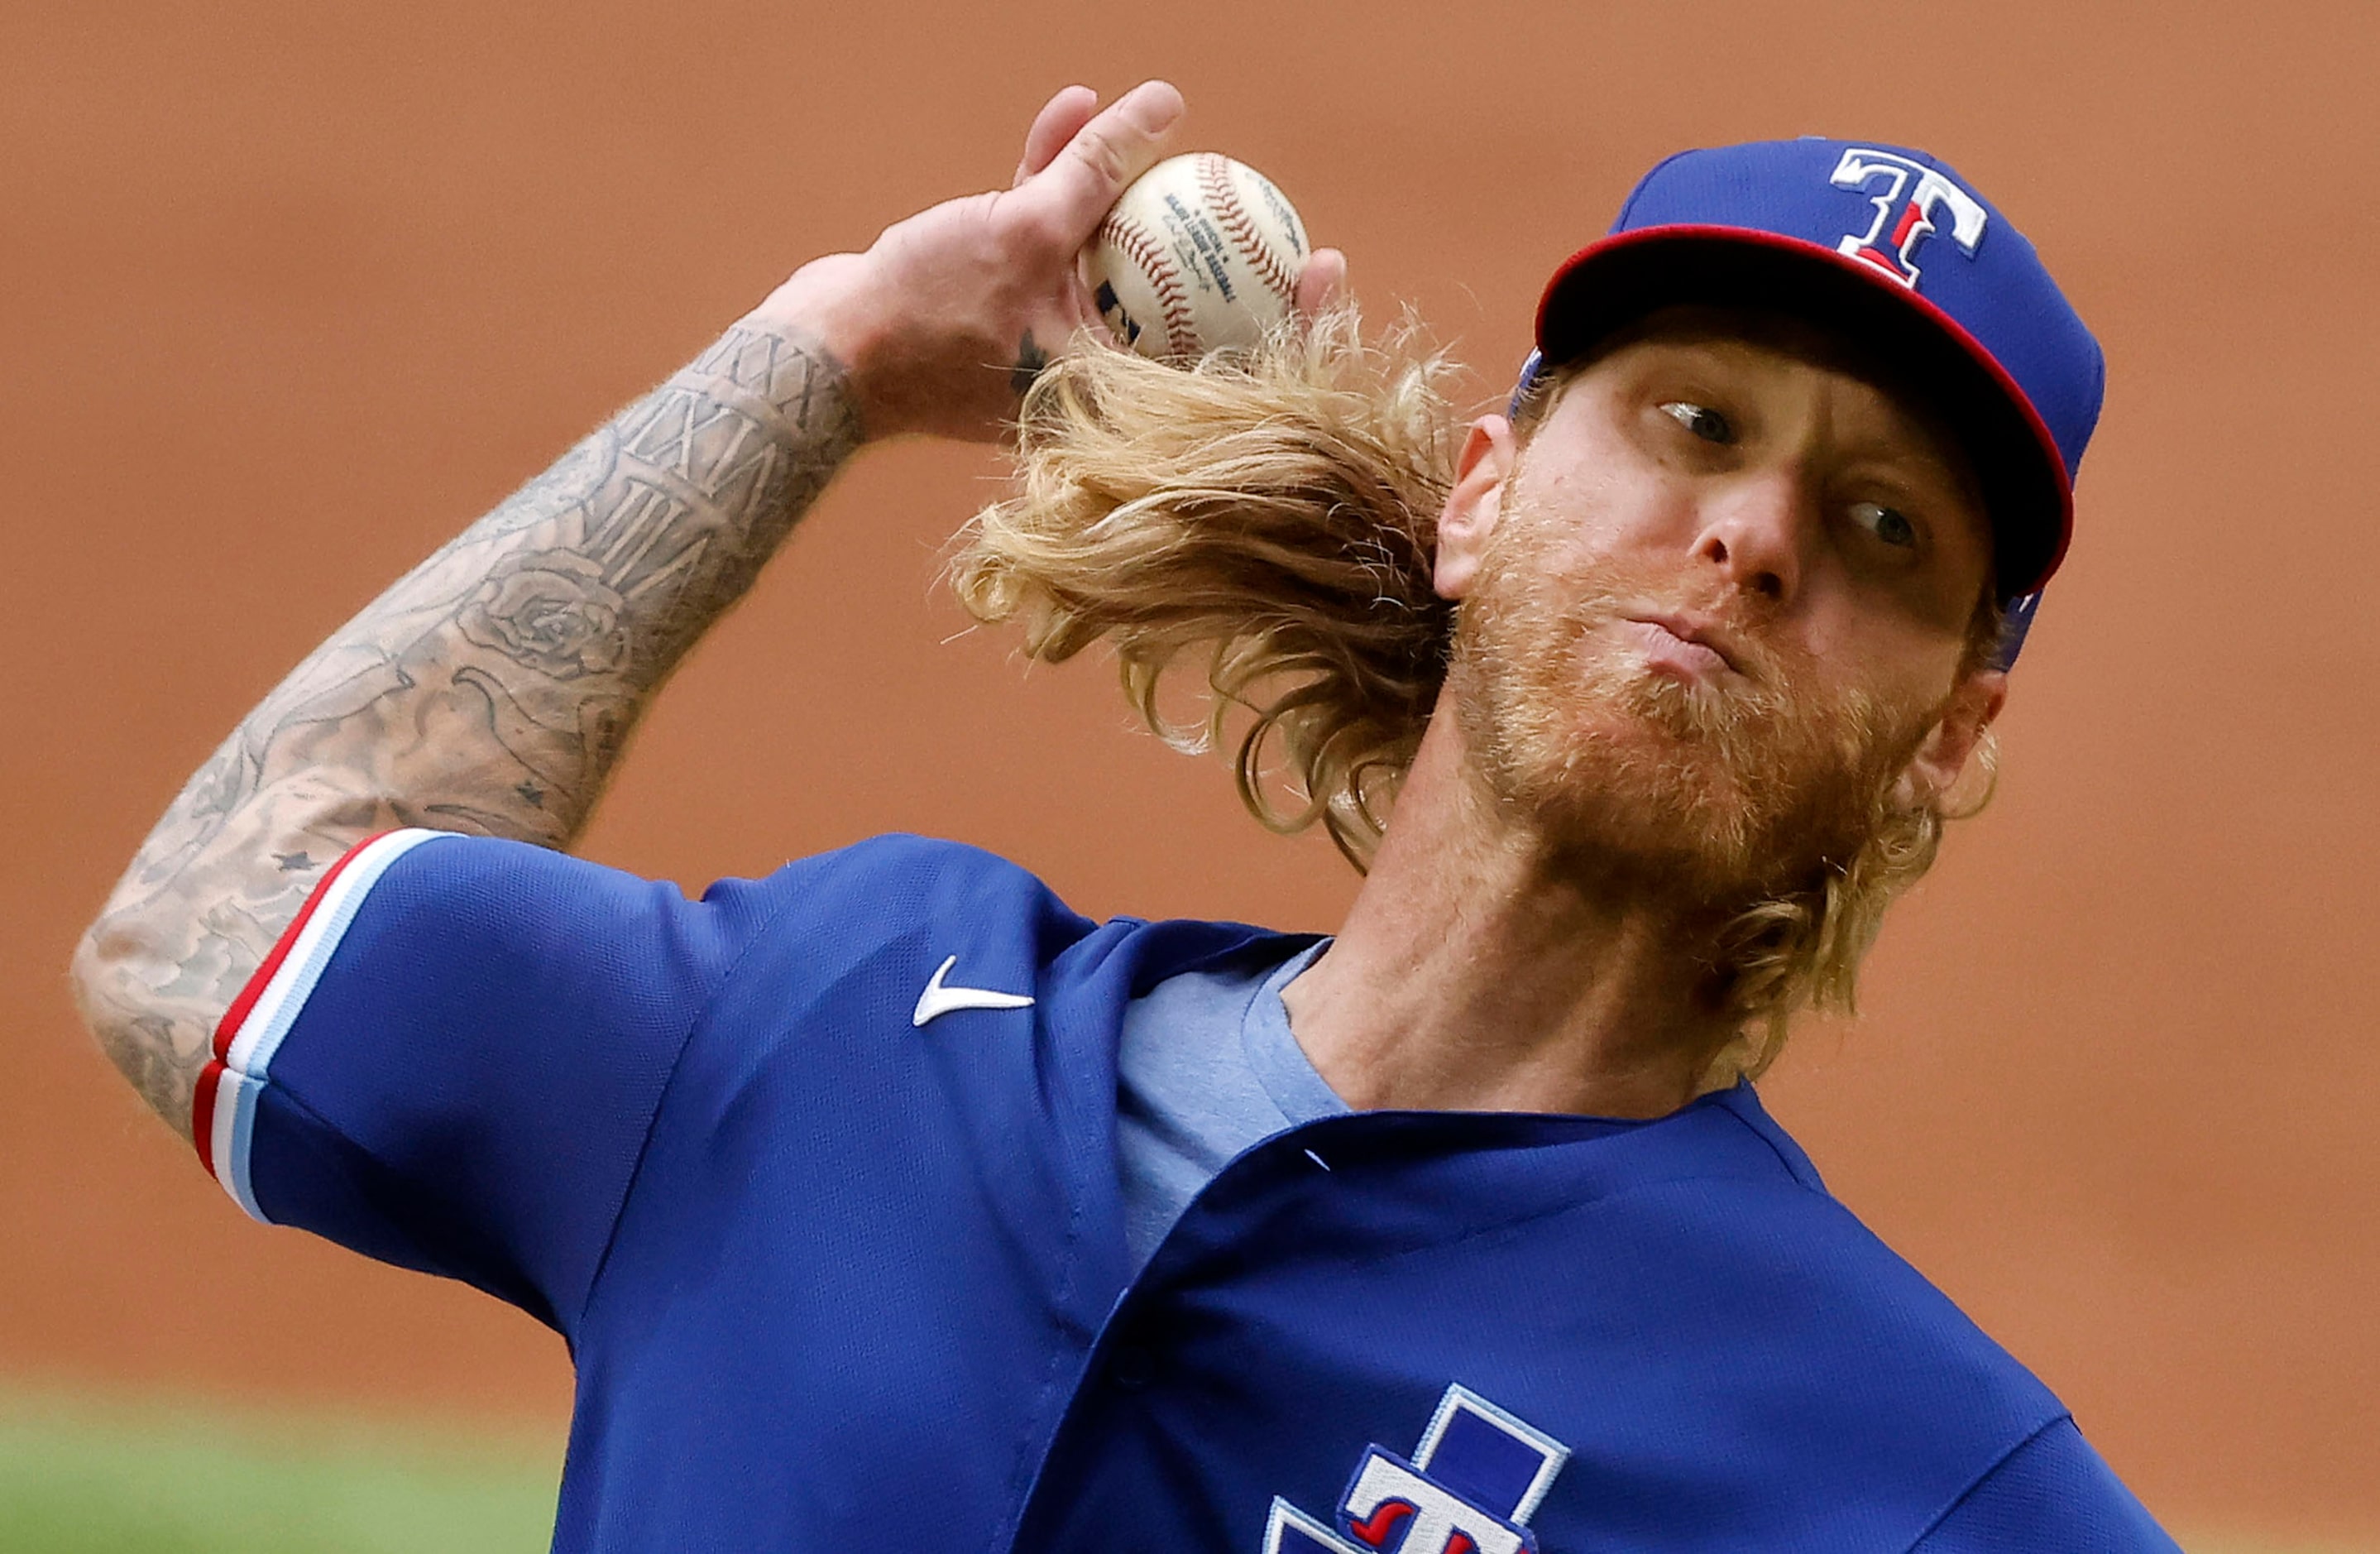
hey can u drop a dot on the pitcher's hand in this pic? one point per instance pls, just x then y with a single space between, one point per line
947 316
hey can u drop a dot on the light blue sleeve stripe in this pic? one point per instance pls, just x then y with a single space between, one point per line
347 899
245 1094
318 941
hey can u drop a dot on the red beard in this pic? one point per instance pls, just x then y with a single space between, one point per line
1726 791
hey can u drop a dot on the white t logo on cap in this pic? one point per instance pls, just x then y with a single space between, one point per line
1927 191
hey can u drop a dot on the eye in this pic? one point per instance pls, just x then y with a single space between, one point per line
1887 524
1700 419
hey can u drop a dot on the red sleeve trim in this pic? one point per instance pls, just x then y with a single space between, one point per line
202 1112
237 1015
203 1102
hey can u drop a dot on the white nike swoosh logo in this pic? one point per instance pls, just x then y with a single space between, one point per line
937 1001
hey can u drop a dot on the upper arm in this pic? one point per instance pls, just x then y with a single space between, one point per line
2051 1492
452 1058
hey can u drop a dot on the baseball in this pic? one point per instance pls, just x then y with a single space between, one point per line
1200 254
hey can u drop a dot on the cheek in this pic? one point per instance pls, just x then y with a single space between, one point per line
1862 637
1594 491
1616 513
1568 542
1905 670
1944 607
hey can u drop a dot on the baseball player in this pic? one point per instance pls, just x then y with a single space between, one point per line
885 1202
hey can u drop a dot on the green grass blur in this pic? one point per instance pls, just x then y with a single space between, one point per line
80 1477
84 1477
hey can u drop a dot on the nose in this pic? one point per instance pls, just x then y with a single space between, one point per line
1755 532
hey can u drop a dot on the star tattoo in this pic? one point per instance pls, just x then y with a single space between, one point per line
1030 361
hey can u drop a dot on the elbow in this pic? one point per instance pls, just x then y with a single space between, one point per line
87 975
157 1054
97 977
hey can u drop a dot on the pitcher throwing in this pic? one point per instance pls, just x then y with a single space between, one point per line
886 1202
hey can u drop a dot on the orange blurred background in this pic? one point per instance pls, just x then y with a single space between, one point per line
293 292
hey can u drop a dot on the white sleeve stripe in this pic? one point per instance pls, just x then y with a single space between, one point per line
276 1008
249 1056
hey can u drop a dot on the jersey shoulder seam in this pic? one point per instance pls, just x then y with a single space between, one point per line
1955 1502
1815 1189
661 1104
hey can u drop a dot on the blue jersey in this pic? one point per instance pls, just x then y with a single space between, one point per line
817 1176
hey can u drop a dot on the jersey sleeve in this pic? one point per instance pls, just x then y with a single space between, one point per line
452 1059
2052 1492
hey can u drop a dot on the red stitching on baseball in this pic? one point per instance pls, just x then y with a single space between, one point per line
1215 182
1137 244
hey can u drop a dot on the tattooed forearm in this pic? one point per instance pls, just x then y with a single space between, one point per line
489 691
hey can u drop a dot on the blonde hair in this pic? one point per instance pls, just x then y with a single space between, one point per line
1271 518
1803 949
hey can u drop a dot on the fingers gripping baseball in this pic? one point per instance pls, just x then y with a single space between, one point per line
1082 180
1059 121
944 317
1321 281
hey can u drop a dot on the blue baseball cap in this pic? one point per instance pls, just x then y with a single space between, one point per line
1892 247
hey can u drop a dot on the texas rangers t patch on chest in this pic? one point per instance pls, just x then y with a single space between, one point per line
1471 1486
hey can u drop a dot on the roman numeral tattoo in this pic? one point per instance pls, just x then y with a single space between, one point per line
489 691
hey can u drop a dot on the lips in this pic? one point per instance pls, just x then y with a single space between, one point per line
1683 644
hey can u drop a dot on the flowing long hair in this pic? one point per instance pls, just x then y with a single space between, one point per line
1269 520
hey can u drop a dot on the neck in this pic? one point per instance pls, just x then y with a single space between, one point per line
1479 971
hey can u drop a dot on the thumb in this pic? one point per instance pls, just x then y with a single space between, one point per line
1118 145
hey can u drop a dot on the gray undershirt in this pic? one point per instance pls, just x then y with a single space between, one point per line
1207 1065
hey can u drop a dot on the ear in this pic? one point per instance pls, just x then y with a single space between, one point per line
1943 754
1475 503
